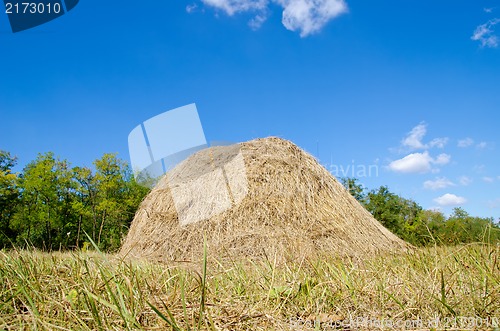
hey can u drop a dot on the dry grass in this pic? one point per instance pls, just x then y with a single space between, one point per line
284 205
93 291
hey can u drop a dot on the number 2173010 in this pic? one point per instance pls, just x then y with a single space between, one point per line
32 8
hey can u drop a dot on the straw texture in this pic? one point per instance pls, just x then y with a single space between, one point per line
262 198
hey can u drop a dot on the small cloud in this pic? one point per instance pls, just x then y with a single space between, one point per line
439 142
463 143
256 22
479 168
191 8
464 181
438 183
450 200
232 7
487 179
488 10
412 163
419 163
442 159
414 137
482 145
484 33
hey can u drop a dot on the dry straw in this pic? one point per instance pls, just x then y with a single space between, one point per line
290 207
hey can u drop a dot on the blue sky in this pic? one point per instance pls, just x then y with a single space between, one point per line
412 87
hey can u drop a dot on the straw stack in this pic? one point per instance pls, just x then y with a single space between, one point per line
265 197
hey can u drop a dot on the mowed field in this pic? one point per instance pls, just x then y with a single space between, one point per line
453 288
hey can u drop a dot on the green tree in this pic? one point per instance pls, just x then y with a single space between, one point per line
409 221
427 229
85 203
9 195
354 187
43 218
50 205
396 213
461 227
384 206
118 196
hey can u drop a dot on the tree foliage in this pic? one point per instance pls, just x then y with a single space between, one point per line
9 194
43 213
408 220
354 187
51 205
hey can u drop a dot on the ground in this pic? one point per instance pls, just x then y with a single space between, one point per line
432 288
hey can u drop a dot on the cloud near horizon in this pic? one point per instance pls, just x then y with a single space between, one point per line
418 163
304 16
450 200
438 183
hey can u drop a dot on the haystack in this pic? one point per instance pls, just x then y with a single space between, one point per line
265 197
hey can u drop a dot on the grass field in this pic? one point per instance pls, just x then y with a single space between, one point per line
453 288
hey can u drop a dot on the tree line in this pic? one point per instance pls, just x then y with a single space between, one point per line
51 205
420 227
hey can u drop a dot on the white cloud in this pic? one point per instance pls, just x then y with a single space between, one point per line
484 33
438 183
256 22
413 139
191 8
309 16
304 16
419 163
232 7
482 145
439 142
415 136
412 163
488 179
450 200
442 159
463 143
464 180
488 10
